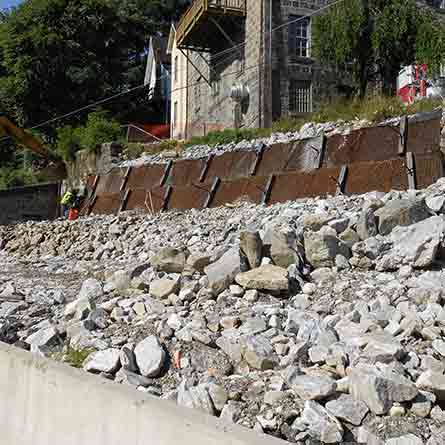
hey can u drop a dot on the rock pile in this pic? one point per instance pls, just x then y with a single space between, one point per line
316 321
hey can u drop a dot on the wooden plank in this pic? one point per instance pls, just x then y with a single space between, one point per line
91 206
403 129
212 192
411 170
268 189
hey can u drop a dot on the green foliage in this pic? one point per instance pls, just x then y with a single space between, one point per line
72 356
98 129
59 55
10 176
228 136
373 39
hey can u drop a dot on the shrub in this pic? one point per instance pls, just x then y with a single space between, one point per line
99 129
18 177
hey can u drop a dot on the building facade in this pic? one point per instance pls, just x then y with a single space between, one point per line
246 63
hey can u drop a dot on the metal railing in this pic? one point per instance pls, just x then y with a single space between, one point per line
198 7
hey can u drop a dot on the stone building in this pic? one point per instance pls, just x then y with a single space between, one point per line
232 72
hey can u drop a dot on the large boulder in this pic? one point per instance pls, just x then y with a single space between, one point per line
367 224
311 387
164 287
434 382
251 248
323 246
267 277
170 260
418 244
401 212
103 361
150 356
284 249
348 409
222 273
321 425
379 387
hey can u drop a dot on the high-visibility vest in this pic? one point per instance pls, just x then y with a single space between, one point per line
67 198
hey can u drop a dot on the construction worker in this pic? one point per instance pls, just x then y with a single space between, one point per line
67 201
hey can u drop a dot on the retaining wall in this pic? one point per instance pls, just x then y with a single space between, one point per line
38 202
380 158
47 403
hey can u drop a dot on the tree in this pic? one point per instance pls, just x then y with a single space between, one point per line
373 39
59 55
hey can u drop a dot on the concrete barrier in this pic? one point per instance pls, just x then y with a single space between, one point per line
43 402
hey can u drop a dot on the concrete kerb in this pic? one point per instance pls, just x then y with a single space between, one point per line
43 402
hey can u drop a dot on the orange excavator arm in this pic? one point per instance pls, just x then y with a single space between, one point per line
56 169
8 129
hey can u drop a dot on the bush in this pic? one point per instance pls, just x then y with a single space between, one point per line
18 177
229 136
98 129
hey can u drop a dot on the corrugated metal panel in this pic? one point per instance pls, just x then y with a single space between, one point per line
111 183
189 197
296 185
231 166
107 204
185 172
246 189
382 176
428 170
145 177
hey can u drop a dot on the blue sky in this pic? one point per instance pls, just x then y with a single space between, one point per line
8 3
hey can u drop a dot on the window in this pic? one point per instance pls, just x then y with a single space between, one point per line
176 68
300 97
299 37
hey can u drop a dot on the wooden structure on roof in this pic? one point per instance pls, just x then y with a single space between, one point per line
206 21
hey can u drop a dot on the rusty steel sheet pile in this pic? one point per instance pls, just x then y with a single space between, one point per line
145 177
252 189
230 166
192 196
380 158
106 204
295 185
185 172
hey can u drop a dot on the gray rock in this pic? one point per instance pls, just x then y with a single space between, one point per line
401 212
267 277
48 336
150 356
258 352
417 244
433 382
349 237
367 225
311 387
407 439
9 293
170 260
379 387
251 248
164 287
91 290
364 436
348 409
222 273
120 280
128 359
199 261
284 249
231 412
103 361
321 425
422 404
435 203
218 395
322 247
439 347
196 397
